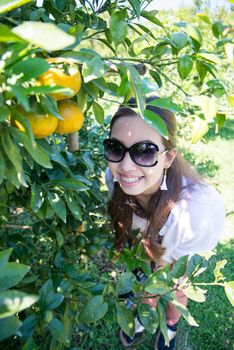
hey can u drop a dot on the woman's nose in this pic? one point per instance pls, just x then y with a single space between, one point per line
127 163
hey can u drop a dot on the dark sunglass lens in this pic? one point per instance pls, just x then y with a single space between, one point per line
113 150
145 154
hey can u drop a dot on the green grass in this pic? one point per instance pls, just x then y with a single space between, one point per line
216 316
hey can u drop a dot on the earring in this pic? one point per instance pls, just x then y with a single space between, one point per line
163 185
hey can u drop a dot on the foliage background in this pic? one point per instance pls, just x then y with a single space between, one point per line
47 240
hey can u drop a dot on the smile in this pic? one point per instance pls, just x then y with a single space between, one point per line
130 180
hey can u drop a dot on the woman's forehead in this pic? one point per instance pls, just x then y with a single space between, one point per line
133 129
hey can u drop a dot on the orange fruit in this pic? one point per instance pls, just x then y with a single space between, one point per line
57 76
42 124
73 117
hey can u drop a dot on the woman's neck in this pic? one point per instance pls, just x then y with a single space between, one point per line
143 200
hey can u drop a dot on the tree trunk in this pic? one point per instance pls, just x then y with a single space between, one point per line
72 142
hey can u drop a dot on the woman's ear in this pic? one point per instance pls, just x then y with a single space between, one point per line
170 157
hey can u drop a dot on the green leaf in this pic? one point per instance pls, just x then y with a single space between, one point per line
34 149
93 69
193 32
220 121
45 35
204 18
151 16
8 5
200 128
208 56
119 26
57 330
162 322
194 263
12 153
124 88
71 184
157 122
46 293
231 100
125 320
156 287
202 70
4 113
180 38
73 206
4 257
93 310
148 317
195 293
136 5
207 105
30 68
6 35
180 267
36 197
58 205
98 112
165 103
229 290
32 90
56 300
145 29
21 96
156 77
9 326
13 301
13 274
184 66
136 85
218 28
2 168
30 344
10 173
125 283
217 273
185 313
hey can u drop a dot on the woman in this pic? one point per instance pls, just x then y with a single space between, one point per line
155 190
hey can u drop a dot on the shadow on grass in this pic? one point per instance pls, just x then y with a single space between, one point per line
216 316
227 131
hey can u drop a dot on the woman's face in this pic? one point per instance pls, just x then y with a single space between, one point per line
132 178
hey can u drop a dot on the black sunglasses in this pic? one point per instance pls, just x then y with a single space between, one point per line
142 153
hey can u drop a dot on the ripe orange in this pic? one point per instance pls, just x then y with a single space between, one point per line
57 76
73 117
42 124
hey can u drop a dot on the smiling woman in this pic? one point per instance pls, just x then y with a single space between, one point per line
153 189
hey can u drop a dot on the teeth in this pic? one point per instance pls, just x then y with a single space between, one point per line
130 179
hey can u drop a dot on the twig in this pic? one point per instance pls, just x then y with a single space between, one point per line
21 227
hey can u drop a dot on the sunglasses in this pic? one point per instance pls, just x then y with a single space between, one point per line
142 153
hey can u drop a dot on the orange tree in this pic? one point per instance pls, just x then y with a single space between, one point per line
59 62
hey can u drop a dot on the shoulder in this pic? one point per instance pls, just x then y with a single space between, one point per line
195 222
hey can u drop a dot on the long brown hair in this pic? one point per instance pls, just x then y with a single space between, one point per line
121 206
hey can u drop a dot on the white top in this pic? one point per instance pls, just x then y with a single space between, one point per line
193 225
